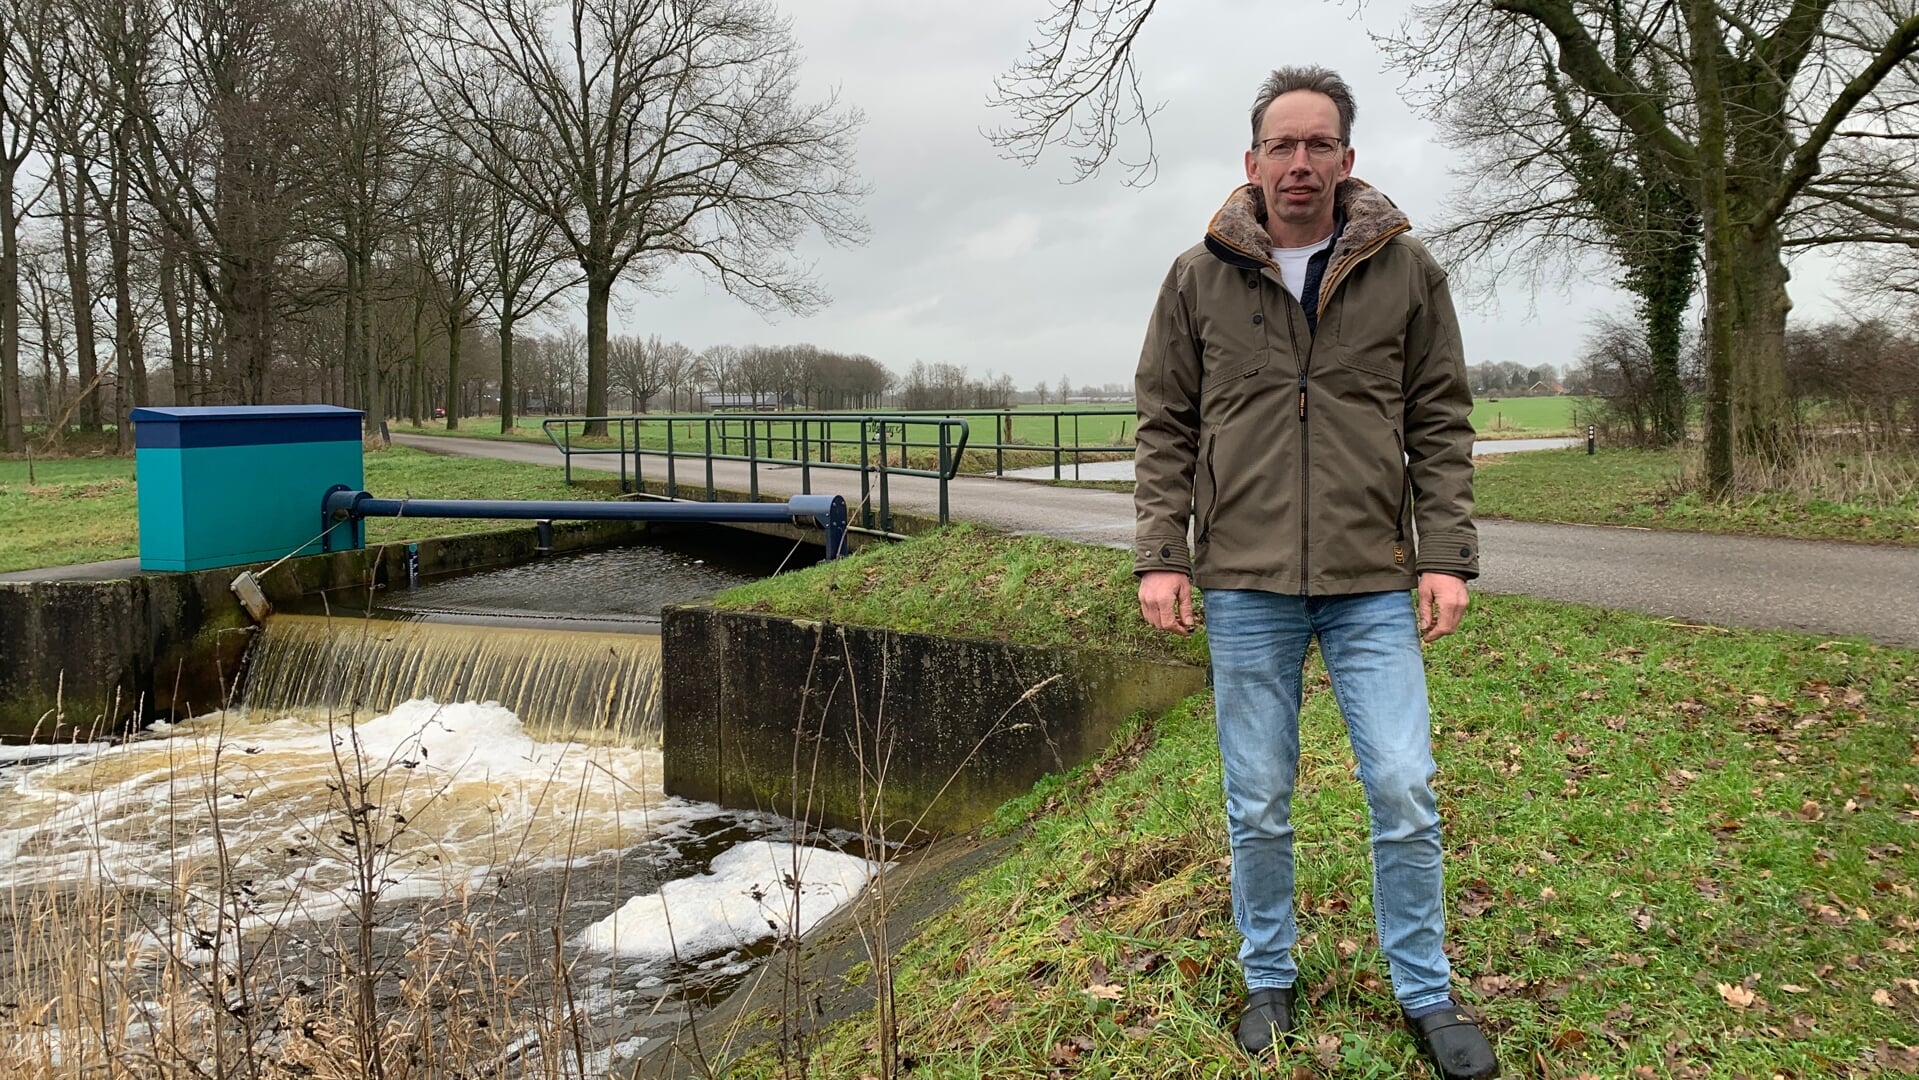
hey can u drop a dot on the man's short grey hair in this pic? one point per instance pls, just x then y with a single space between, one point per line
1317 79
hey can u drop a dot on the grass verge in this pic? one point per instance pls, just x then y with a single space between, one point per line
1672 853
970 582
1643 488
87 509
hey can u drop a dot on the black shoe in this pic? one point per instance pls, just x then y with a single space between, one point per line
1453 1045
1267 1019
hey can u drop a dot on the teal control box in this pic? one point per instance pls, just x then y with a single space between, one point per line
229 485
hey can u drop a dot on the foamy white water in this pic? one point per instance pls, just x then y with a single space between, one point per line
459 801
457 792
754 891
451 791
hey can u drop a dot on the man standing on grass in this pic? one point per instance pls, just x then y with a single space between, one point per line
1303 411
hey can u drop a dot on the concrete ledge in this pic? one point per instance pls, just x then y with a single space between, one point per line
84 658
825 722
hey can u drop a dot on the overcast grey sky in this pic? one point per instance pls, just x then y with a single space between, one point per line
976 260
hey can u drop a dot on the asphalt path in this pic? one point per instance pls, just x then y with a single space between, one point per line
1813 586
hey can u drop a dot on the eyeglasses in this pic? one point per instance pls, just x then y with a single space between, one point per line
1319 147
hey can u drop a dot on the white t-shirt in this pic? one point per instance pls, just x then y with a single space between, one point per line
1292 265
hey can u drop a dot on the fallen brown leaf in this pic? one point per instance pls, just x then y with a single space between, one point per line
1569 1039
1068 1051
1900 1059
1326 1050
1104 991
1737 996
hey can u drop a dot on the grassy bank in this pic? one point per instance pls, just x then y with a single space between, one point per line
1643 488
87 510
1672 853
970 582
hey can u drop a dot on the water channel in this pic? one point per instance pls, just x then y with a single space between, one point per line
448 790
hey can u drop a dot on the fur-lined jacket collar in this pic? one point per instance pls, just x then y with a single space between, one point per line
1237 234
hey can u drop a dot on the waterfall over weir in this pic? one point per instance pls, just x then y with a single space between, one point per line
569 684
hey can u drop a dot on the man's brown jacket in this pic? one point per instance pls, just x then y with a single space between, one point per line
1305 462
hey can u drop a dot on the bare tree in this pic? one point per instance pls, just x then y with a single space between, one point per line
47 309
639 368
17 134
221 146
677 367
1622 372
1768 90
650 131
1548 180
524 254
70 119
370 117
1076 86
451 235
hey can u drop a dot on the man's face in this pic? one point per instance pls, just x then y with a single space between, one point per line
1299 185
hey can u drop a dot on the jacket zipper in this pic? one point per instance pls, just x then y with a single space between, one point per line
1212 481
1305 449
1405 495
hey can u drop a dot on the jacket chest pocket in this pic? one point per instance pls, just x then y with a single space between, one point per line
1373 342
1240 349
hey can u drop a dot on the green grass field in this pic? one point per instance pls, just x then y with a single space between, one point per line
1641 488
1523 418
86 510
1671 853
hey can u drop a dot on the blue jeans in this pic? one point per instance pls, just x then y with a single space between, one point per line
1371 648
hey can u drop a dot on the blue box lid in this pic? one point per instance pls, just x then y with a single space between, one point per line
183 427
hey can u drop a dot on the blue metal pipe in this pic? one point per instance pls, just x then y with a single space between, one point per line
345 505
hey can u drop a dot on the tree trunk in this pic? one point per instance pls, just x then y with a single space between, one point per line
416 386
1762 414
350 327
376 391
13 432
1719 246
599 292
250 329
73 235
453 372
128 353
170 309
506 367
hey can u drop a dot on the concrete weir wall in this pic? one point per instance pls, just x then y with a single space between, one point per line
844 724
84 658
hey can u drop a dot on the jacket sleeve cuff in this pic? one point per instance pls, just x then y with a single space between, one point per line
1161 553
1455 553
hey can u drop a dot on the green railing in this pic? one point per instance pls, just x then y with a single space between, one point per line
1074 434
927 446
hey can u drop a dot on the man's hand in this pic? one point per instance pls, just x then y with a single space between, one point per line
1442 603
1166 600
